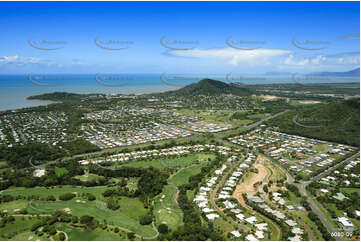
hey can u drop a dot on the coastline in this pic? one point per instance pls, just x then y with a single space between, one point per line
26 103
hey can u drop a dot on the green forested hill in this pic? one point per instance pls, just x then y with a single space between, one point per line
58 96
210 87
337 122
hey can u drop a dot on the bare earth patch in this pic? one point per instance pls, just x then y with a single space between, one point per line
308 102
67 210
248 186
266 98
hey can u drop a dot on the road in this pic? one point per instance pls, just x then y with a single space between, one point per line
302 188
214 205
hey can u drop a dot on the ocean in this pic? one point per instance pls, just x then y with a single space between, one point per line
14 89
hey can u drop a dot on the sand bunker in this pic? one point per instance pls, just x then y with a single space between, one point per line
67 210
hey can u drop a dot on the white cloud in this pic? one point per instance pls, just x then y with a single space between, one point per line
20 60
233 56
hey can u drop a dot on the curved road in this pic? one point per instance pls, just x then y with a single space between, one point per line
302 187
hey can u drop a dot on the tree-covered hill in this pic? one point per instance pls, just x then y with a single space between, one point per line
337 122
210 87
58 96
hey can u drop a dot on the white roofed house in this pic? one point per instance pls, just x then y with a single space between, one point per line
251 220
229 204
240 216
235 233
39 172
290 222
346 224
212 216
297 231
259 234
261 226
251 237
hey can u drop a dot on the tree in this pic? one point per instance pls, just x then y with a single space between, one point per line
61 236
163 229
66 196
131 235
146 219
265 188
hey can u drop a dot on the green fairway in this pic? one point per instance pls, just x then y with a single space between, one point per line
177 162
18 229
78 234
60 171
166 210
126 217
182 177
56 191
13 206
88 177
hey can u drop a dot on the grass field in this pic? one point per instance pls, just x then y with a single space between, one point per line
56 191
60 171
76 234
276 173
13 206
126 217
167 211
182 177
303 216
350 190
224 226
19 230
178 162
88 177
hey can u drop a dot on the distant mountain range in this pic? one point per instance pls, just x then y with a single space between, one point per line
211 87
352 73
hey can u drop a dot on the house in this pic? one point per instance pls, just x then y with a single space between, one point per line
212 216
251 237
240 216
259 234
261 226
290 222
229 204
236 234
39 172
324 191
339 196
297 230
346 224
296 238
251 220
207 210
236 210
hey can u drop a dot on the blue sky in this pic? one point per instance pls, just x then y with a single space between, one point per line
198 37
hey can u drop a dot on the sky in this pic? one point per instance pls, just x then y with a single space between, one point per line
178 37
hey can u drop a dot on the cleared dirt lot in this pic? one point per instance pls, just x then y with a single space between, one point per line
248 185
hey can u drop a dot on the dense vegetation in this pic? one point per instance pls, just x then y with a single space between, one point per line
337 122
210 87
